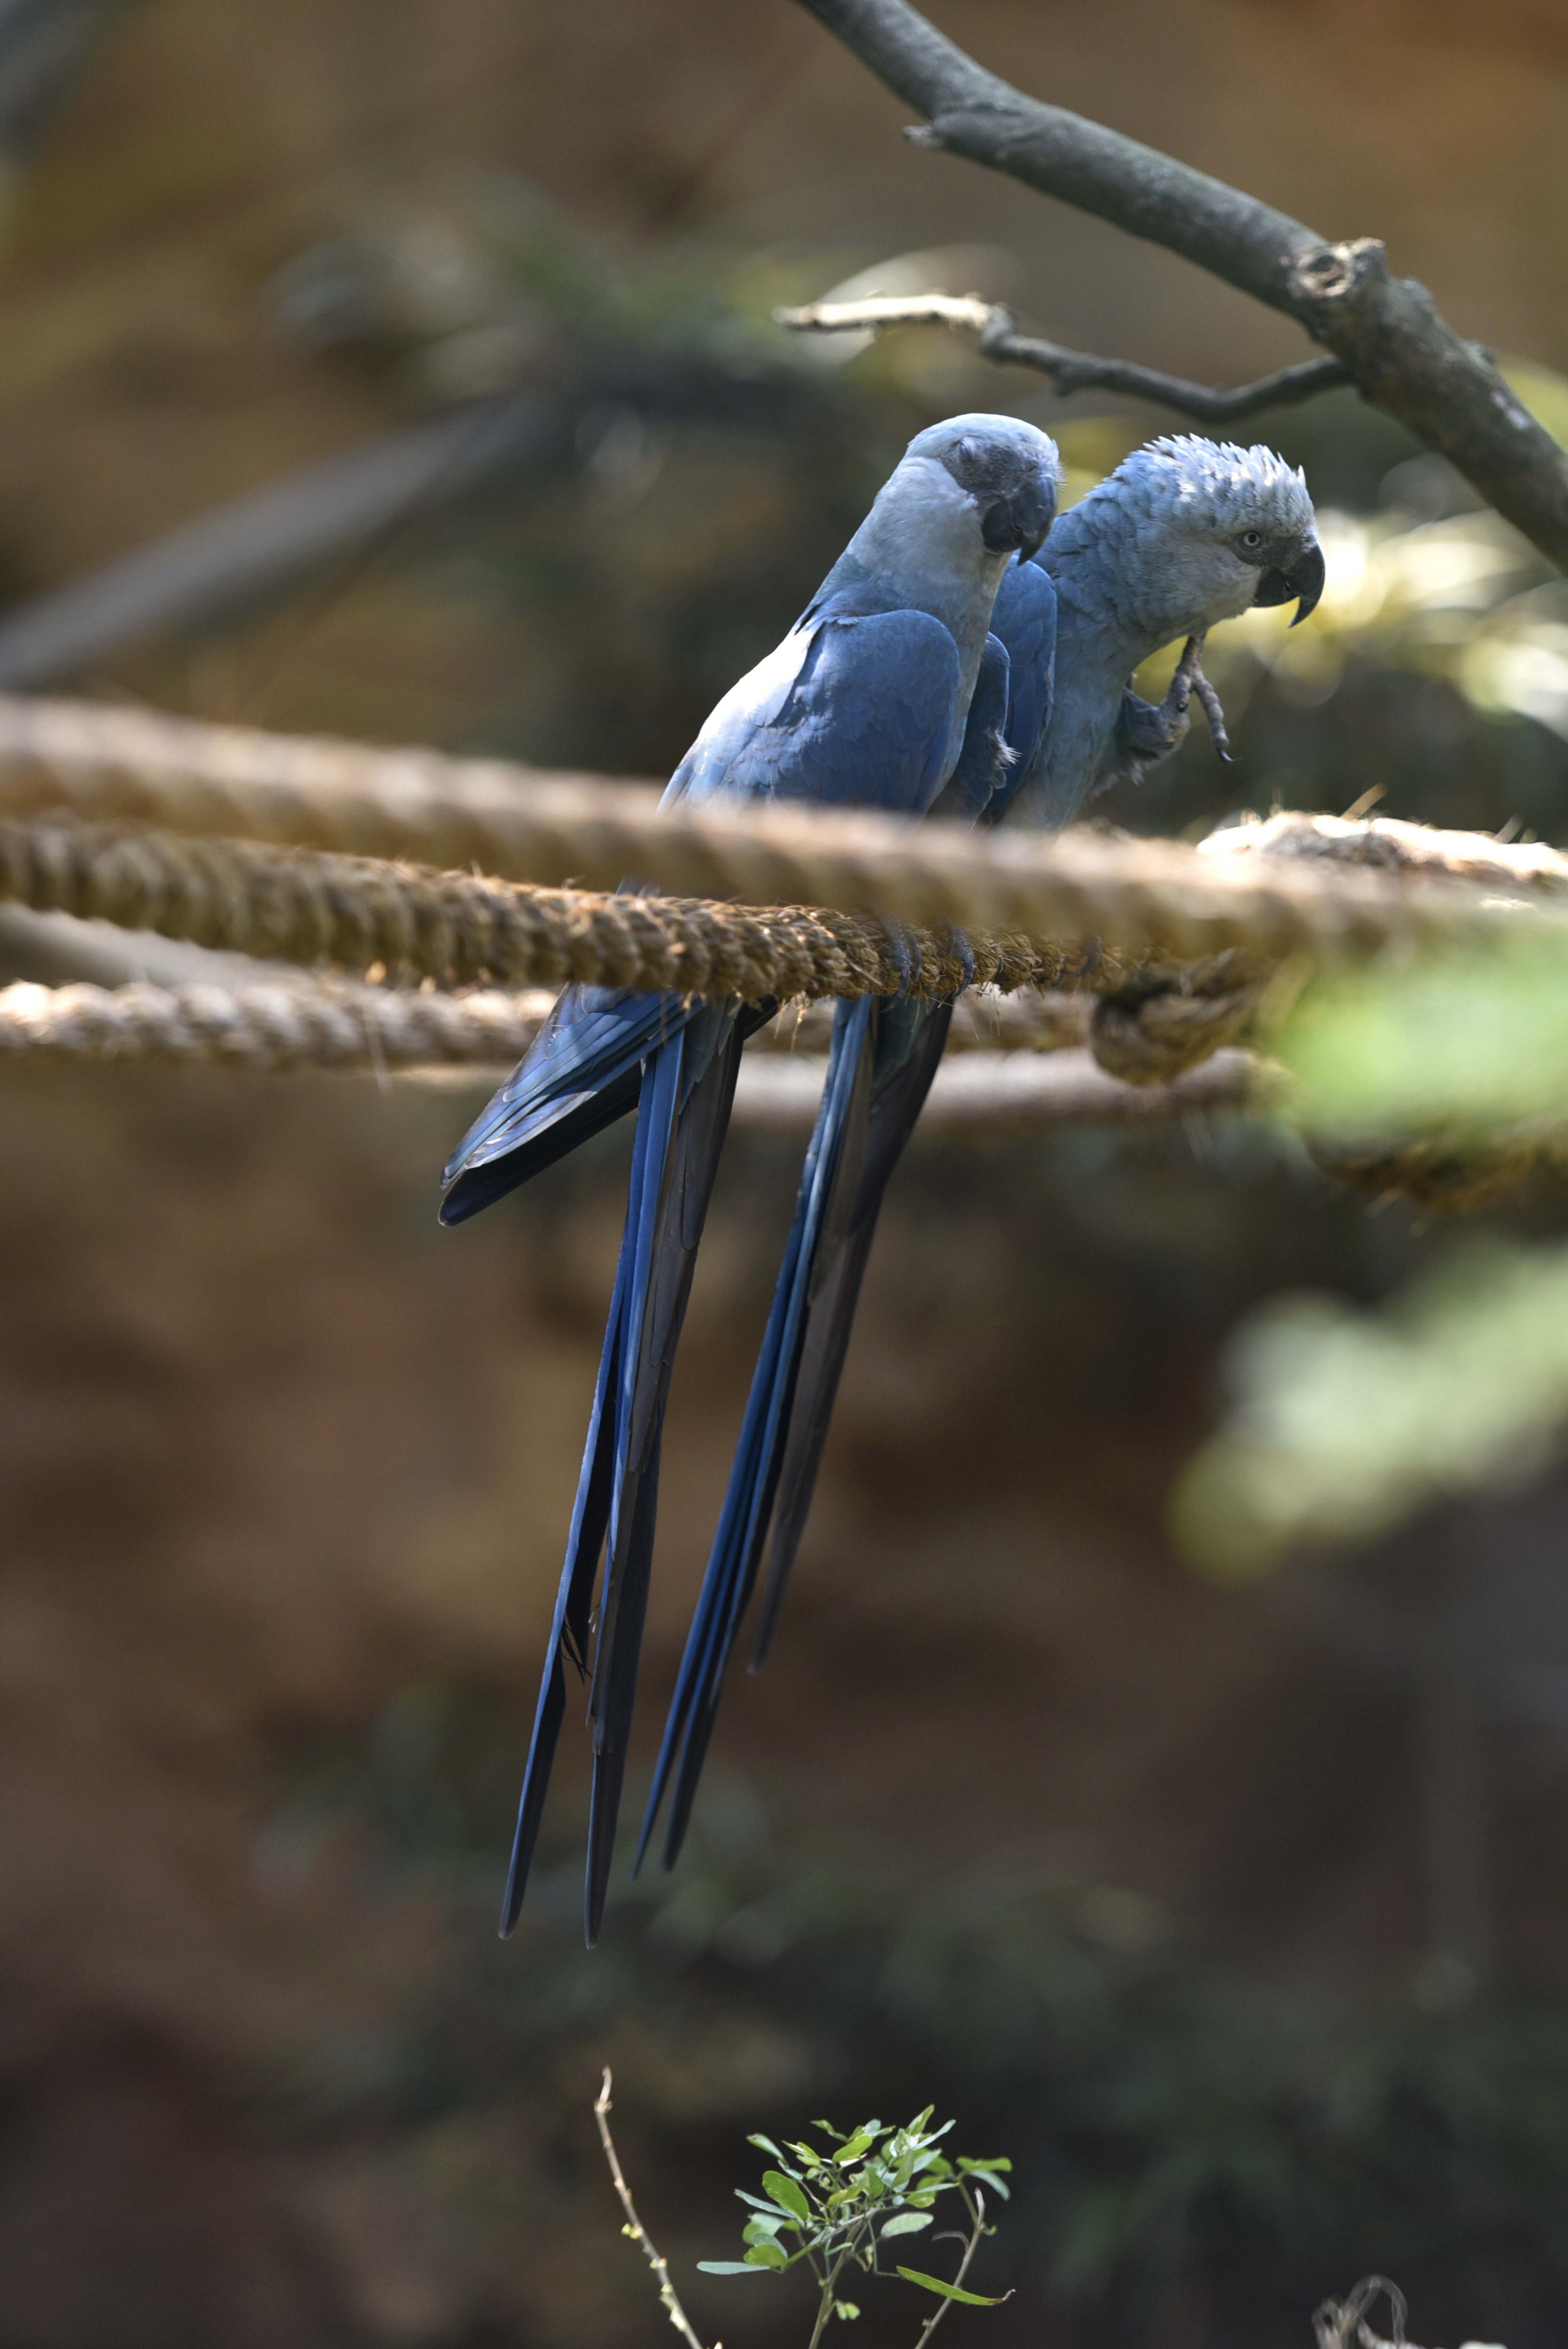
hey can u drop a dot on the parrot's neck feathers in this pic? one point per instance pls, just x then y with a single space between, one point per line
922 546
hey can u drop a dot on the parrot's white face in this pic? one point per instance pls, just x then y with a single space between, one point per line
1202 572
967 496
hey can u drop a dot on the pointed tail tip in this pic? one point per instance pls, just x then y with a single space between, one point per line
675 1833
650 1820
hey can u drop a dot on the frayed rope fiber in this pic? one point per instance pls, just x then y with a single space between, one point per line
362 912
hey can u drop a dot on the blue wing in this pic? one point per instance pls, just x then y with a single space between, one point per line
850 711
581 1072
856 712
1025 618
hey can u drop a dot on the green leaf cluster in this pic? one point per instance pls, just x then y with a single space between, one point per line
831 2207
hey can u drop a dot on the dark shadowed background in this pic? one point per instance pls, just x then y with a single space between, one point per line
1236 1915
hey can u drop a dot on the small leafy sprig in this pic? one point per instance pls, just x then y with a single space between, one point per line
833 2207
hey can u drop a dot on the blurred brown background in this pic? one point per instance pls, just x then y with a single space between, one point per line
1174 1893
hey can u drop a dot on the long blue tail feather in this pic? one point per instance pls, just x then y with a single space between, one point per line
827 1189
623 1604
616 1679
600 1510
569 1629
657 1113
687 1090
896 1103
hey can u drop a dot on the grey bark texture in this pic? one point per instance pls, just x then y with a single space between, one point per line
1402 356
210 566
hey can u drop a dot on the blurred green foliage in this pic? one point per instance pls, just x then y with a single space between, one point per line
1346 1422
1476 1038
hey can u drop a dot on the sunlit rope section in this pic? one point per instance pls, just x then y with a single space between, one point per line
389 1033
1132 897
286 1023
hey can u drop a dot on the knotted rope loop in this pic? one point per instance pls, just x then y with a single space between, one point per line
1165 1019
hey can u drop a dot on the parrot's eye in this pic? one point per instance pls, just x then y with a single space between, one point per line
1251 539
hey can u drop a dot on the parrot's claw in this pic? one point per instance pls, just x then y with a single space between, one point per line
1209 701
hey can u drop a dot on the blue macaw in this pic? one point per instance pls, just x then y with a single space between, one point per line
890 691
1185 533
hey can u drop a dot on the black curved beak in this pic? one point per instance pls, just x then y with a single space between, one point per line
1303 578
1021 521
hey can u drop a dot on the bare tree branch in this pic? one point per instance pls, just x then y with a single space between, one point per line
1385 330
208 569
249 547
1070 370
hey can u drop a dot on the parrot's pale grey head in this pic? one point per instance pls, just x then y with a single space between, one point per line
1198 529
965 497
1007 472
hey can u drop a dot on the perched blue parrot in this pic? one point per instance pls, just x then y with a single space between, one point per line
888 692
1185 533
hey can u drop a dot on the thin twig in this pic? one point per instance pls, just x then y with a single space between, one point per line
825 2307
1070 370
973 2245
635 2227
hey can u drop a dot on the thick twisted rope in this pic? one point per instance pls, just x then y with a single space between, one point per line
358 912
276 1027
1138 897
1046 1076
340 1025
1177 944
382 1030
